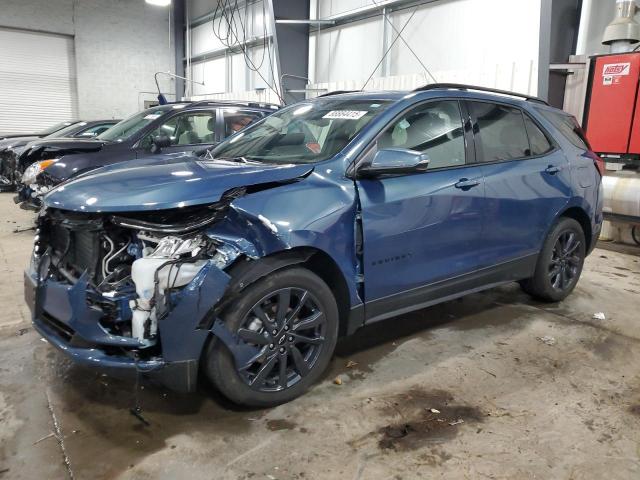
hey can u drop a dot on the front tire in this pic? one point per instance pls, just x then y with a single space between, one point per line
291 316
560 262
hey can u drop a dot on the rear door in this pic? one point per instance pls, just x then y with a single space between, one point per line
421 228
527 182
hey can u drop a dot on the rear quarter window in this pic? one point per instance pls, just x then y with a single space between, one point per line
568 126
538 141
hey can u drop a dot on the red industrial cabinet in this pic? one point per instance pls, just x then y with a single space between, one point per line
612 107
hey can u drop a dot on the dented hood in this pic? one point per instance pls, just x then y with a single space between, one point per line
44 148
164 183
15 142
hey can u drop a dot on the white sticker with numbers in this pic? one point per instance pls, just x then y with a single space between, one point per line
346 114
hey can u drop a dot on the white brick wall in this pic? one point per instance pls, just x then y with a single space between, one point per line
119 45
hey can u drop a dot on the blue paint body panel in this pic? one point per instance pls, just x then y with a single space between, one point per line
391 237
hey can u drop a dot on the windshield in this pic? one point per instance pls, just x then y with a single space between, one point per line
136 122
55 128
70 130
305 133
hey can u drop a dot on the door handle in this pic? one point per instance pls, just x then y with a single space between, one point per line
552 169
466 184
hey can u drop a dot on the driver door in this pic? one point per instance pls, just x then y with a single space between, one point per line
194 130
421 231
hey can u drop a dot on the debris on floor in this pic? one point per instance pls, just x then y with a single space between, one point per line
337 381
43 438
137 412
351 364
547 340
599 316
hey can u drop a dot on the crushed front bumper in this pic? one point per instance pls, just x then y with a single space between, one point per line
62 315
27 198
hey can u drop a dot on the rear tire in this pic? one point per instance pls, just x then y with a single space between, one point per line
291 317
559 264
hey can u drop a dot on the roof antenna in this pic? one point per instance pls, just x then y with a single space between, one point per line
162 100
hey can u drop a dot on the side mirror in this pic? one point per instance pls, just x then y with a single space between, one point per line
160 142
395 161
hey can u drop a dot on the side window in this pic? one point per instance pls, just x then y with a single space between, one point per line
190 128
434 128
568 126
537 139
95 130
499 132
236 120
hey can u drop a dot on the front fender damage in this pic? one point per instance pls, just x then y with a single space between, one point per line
193 313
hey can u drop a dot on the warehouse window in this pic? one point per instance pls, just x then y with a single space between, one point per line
434 128
500 132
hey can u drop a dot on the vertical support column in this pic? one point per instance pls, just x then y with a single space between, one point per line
544 50
291 45
178 17
387 34
228 65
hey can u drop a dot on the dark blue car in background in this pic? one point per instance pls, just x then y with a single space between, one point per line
170 128
248 263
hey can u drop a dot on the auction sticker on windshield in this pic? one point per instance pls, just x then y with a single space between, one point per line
346 114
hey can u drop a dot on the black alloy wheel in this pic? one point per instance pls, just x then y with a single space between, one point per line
290 317
565 262
559 263
289 328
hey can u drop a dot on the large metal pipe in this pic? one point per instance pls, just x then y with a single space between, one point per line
623 31
622 195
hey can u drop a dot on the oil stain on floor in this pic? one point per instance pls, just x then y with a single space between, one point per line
424 417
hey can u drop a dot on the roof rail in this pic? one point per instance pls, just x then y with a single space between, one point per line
247 103
337 92
459 86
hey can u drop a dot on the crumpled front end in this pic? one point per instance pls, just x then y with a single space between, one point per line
8 169
124 298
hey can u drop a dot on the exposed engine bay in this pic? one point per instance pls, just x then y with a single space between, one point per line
134 266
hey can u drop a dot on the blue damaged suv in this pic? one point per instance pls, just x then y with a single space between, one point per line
246 264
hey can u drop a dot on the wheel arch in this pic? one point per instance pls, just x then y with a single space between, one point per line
580 216
246 271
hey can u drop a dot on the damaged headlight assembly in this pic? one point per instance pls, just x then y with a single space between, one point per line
31 173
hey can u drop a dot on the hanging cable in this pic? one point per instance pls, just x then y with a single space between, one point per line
389 48
388 20
235 35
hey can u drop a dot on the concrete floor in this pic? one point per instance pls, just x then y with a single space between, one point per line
510 405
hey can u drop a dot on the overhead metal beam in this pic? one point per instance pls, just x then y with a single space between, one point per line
370 11
308 22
